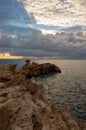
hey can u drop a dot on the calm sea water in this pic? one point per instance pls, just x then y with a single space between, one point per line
67 89
19 62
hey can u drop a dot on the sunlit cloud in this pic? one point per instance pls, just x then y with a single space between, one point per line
57 13
6 55
45 32
26 29
79 3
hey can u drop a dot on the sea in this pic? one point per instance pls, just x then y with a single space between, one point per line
64 90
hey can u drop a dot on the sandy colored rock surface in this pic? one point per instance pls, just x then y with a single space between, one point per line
23 108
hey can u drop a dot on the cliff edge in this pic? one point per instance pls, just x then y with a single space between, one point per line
22 106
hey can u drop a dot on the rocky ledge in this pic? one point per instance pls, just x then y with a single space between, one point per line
34 69
22 106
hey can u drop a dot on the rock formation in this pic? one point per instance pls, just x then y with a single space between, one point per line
34 69
23 108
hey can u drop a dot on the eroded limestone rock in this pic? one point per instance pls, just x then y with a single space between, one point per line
23 108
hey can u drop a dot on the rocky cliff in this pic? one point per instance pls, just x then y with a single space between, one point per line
23 108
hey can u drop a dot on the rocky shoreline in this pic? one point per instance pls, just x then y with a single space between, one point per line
35 69
22 106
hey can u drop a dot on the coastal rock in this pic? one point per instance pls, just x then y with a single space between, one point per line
22 106
5 116
6 72
33 87
30 70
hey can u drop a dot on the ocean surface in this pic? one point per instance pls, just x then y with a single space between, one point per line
65 90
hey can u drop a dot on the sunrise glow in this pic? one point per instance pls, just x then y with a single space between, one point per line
6 55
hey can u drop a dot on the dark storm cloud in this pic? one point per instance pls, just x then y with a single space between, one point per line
31 52
17 24
65 44
5 41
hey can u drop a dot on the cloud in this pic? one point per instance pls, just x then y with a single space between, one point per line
6 55
41 14
64 44
20 27
80 3
57 12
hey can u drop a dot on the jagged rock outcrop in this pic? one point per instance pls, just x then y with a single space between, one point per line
23 108
6 72
30 70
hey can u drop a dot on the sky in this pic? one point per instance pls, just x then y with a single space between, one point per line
43 28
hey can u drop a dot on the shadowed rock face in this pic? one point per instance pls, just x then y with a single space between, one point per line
30 70
23 108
